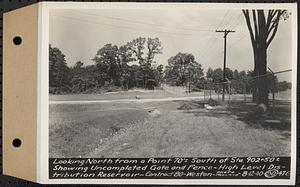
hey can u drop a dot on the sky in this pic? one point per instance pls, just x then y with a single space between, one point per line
79 34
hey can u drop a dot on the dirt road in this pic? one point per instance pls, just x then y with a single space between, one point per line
127 100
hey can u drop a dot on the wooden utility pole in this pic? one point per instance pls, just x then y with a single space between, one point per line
226 32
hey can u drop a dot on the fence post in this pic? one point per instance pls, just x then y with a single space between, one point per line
229 92
218 93
273 95
210 91
204 91
244 91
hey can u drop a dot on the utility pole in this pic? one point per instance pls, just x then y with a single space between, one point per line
226 32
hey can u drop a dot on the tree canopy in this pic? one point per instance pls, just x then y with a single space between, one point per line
182 69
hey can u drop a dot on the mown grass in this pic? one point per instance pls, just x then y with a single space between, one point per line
76 133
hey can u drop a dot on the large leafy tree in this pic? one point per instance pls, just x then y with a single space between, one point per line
262 26
108 63
124 59
144 51
183 70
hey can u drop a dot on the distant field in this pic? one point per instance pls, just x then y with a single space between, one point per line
164 129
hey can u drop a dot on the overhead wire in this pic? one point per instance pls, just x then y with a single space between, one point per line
214 38
238 21
228 21
229 47
145 23
135 29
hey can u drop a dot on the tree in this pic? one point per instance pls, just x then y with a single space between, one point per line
239 83
209 72
283 86
58 71
183 70
78 65
144 51
236 75
159 74
262 29
217 75
228 74
108 63
124 59
136 47
77 74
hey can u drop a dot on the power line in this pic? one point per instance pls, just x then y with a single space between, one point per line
210 46
216 37
214 41
223 19
238 21
228 21
146 23
236 42
231 46
131 28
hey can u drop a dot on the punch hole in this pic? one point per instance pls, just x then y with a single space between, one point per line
17 40
16 142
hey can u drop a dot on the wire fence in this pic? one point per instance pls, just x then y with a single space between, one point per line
277 83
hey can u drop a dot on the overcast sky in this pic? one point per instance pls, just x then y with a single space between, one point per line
80 33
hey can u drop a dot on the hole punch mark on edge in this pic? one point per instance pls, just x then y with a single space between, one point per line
16 142
17 40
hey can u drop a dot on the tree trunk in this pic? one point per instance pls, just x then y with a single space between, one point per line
262 81
261 61
255 82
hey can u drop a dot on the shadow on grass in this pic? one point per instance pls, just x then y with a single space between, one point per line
280 119
246 112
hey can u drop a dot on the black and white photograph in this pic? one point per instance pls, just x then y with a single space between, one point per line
165 83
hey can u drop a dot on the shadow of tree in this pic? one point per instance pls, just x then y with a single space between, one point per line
246 112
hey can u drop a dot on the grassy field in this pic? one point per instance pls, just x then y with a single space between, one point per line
166 128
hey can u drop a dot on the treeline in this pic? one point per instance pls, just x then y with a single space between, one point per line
130 65
133 65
